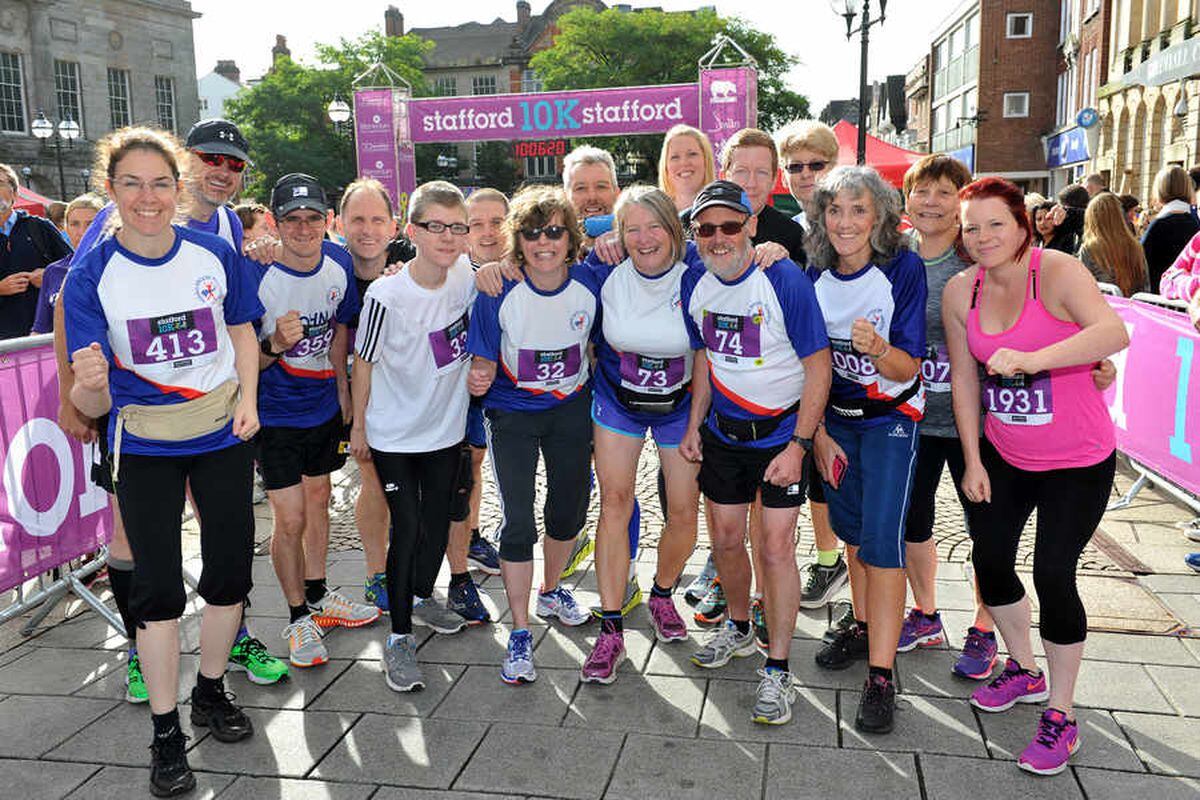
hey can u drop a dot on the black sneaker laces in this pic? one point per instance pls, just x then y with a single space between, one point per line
256 648
1050 731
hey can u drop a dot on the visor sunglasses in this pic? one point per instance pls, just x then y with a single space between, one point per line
217 159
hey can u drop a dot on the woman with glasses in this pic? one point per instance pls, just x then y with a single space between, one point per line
158 320
809 150
530 348
685 165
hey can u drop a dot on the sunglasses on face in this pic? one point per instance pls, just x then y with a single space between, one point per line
217 159
433 226
707 230
553 233
796 167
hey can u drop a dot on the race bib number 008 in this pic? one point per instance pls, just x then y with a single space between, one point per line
851 364
1020 399
176 338
545 369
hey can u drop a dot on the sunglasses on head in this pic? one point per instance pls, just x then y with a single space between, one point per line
217 159
706 230
796 167
553 233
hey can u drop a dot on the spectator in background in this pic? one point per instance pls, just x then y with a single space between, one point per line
1032 201
1095 184
1194 176
27 245
1182 280
1173 226
809 150
1068 220
1133 210
56 212
78 215
257 221
1109 250
1043 222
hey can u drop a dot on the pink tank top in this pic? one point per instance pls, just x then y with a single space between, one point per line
1051 420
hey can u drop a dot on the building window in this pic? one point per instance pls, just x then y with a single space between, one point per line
483 84
66 91
1019 26
119 111
530 81
1016 104
445 86
164 101
12 94
971 32
540 167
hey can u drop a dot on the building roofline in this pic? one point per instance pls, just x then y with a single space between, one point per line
952 19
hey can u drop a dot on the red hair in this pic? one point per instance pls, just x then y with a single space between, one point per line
1012 197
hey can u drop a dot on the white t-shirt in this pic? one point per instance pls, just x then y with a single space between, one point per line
416 338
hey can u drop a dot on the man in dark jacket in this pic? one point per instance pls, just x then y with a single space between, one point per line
27 245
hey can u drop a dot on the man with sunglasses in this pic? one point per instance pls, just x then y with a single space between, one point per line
759 392
304 405
219 158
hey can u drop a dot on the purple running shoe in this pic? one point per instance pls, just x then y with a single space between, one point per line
1013 685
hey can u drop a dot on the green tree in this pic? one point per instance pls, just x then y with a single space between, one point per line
598 49
284 115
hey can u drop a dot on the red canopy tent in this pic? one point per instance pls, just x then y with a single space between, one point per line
31 201
888 160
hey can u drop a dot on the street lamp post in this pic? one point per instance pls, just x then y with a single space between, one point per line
339 112
848 10
68 129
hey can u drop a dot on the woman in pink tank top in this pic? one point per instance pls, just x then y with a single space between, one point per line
1037 325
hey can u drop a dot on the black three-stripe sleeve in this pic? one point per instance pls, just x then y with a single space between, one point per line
370 333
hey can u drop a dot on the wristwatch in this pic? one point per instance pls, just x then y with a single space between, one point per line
807 444
265 346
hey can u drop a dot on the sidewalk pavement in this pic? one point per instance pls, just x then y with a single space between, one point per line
664 729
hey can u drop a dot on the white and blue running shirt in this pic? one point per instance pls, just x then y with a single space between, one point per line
300 389
162 324
892 298
755 330
538 339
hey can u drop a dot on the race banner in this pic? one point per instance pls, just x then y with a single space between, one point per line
375 139
50 511
1155 400
728 103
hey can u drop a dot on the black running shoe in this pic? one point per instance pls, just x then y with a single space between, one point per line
170 774
841 647
877 707
227 722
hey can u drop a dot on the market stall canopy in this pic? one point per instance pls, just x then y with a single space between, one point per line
888 160
31 201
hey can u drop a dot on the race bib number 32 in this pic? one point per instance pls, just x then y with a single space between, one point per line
1019 400
544 369
732 335
178 337
449 345
651 375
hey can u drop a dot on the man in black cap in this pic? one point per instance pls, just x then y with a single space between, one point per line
759 392
219 159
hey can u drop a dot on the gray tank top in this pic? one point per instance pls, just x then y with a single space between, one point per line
935 367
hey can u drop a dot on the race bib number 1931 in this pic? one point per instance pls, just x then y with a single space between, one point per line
1020 399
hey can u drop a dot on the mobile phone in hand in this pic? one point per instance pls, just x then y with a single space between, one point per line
840 465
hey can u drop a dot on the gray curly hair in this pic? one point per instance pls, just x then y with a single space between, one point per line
886 239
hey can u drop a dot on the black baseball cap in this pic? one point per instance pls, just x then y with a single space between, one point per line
721 193
297 190
218 136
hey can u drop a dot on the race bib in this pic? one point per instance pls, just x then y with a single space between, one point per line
732 336
176 338
851 364
1019 400
316 341
545 369
935 369
651 375
449 345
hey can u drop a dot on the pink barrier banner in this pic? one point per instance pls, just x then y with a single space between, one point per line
1155 401
375 138
50 511
728 103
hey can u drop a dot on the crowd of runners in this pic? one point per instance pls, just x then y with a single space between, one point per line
840 357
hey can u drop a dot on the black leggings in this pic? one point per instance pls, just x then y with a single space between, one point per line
1070 503
419 488
933 452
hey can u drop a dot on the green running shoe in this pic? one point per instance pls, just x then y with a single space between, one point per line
135 684
251 656
583 548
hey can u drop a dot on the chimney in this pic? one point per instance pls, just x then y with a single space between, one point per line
229 69
522 13
280 49
393 22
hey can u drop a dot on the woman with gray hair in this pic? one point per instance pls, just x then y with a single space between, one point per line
872 292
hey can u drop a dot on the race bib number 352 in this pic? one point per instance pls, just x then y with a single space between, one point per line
1020 399
172 338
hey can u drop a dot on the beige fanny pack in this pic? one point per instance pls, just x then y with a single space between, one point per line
177 422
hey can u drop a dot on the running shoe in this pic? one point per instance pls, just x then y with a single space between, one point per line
432 614
920 630
978 657
464 600
135 684
668 625
699 587
251 656
226 722
877 706
260 492
758 621
842 646
633 599
305 648
1193 561
1056 740
482 555
823 583
375 592
560 603
170 774
335 609
1013 685
607 654
711 610
723 644
583 548
518 659
400 667
774 697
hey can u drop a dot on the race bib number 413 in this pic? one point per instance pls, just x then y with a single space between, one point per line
1020 399
173 338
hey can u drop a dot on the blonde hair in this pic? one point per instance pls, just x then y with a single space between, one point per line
534 207
435 193
664 179
86 200
807 134
1172 183
1109 243
749 137
658 203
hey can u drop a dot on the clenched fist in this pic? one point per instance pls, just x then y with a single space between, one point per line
90 368
289 329
865 339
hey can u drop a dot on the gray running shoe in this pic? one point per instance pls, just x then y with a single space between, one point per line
776 693
699 587
432 614
823 583
400 666
305 648
723 644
